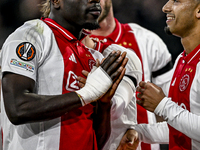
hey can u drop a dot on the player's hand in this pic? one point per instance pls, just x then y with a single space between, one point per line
114 64
101 79
150 95
87 41
116 75
82 80
129 141
109 94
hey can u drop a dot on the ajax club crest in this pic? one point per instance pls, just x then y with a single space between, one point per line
184 82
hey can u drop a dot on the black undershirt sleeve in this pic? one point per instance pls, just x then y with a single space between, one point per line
163 70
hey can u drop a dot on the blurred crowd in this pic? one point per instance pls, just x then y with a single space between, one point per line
147 13
14 13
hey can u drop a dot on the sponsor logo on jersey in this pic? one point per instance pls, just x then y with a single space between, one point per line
72 58
91 63
72 83
184 82
22 65
26 51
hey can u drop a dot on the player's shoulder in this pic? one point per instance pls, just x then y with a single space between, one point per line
37 25
30 31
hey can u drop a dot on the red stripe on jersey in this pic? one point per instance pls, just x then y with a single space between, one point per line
180 93
123 37
76 126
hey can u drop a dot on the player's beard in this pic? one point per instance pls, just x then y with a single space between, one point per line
167 30
91 26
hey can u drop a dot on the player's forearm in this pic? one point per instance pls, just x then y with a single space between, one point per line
102 123
179 118
23 105
31 107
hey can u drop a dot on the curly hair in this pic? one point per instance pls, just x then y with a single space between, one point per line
46 7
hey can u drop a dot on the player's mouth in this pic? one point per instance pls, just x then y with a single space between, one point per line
95 11
170 18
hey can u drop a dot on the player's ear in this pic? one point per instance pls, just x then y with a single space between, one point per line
56 3
198 11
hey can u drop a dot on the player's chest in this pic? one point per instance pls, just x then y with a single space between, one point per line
182 84
75 59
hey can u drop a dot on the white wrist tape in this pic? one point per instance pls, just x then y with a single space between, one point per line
97 84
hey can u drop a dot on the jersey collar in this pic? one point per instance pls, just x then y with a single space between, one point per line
62 30
192 55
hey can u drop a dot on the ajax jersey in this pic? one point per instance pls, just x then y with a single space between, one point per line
184 91
50 55
154 57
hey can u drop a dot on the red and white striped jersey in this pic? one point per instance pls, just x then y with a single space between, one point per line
155 59
53 58
50 55
184 91
181 110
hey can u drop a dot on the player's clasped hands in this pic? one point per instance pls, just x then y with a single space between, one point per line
116 71
114 66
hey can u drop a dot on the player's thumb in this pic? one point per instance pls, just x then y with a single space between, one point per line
132 137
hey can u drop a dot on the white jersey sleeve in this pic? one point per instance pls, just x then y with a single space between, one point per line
155 56
124 96
23 53
179 118
153 133
122 115
123 111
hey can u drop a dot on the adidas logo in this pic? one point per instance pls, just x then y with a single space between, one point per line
72 58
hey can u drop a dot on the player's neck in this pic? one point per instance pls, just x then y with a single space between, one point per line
73 29
191 42
106 26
